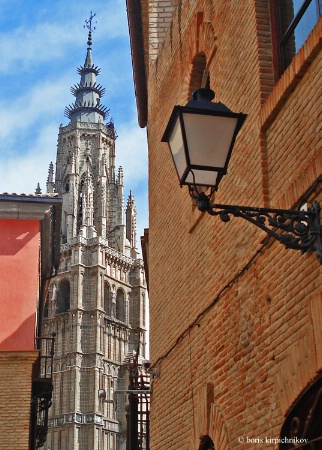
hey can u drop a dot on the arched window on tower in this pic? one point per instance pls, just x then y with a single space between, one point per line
46 306
107 299
143 306
66 184
63 297
120 305
80 204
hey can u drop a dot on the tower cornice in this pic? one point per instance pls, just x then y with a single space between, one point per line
86 106
77 88
83 70
108 129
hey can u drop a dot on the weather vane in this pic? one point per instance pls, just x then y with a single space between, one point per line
88 23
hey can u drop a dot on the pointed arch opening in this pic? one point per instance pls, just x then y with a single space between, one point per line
143 309
107 299
199 76
80 203
63 297
46 306
120 305
66 184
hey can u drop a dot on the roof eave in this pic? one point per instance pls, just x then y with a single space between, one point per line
46 209
134 14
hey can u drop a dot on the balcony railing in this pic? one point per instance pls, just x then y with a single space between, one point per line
42 389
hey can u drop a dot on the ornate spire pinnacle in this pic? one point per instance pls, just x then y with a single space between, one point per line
130 200
88 198
50 179
38 189
120 176
87 106
131 220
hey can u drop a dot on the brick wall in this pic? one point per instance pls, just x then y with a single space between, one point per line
160 16
226 311
15 395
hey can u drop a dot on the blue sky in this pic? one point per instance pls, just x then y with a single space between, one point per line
42 44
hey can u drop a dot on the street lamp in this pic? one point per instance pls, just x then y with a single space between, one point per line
201 136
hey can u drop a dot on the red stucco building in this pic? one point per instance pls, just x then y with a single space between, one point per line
29 255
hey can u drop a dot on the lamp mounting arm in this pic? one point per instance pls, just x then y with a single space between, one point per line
301 230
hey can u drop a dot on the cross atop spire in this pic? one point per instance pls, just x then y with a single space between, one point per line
88 93
88 23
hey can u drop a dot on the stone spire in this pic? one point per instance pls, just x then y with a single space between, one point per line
131 220
50 179
120 176
38 189
93 201
87 106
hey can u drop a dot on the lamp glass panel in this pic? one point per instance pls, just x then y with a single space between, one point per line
177 148
202 178
209 138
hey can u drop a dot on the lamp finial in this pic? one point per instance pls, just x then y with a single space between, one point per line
204 94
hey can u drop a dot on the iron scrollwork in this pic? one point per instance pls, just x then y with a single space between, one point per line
41 403
42 391
301 230
302 428
138 410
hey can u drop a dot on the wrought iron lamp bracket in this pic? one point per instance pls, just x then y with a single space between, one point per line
301 230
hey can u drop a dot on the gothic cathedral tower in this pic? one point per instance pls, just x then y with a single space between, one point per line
96 304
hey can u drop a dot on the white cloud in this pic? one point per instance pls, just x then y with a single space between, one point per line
20 173
31 47
56 34
40 50
40 103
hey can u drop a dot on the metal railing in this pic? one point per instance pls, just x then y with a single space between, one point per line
42 389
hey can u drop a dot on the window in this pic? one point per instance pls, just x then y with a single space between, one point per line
46 307
120 305
80 204
295 20
63 297
143 308
108 300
